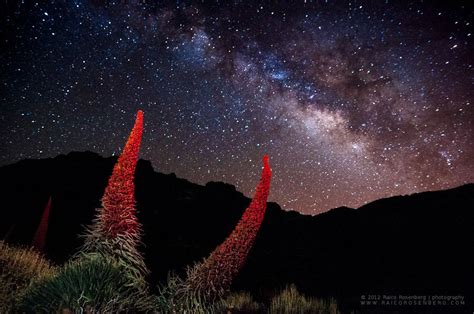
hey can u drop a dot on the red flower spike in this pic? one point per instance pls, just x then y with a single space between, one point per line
115 232
39 239
118 203
217 271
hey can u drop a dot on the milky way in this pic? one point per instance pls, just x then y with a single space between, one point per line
352 101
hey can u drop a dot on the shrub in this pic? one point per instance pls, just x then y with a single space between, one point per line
207 281
177 297
115 231
108 274
20 268
214 275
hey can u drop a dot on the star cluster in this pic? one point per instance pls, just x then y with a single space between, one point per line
352 101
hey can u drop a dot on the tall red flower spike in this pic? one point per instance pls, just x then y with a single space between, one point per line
39 239
118 203
115 232
215 274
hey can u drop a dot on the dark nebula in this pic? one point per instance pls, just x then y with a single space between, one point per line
352 101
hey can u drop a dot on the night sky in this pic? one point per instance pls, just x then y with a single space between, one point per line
352 101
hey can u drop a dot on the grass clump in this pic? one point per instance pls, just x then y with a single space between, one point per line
241 302
93 284
19 269
290 300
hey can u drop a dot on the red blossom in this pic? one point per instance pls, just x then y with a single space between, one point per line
219 269
39 239
117 215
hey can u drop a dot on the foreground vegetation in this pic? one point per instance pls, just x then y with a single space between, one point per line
20 268
29 283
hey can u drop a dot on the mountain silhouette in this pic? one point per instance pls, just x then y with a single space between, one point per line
416 244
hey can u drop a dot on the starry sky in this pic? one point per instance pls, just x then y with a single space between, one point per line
353 101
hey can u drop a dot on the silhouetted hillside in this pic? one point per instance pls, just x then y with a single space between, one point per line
406 244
